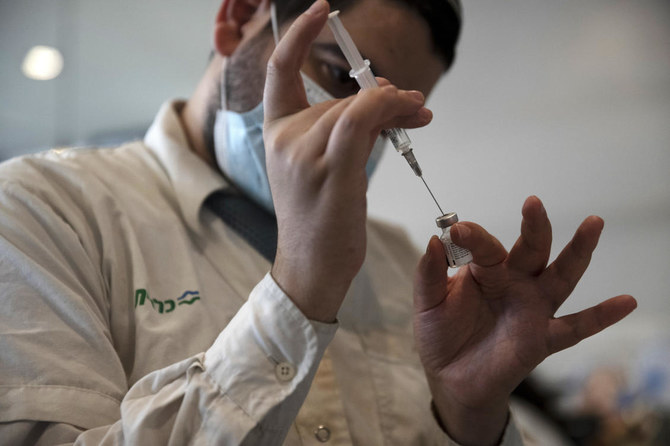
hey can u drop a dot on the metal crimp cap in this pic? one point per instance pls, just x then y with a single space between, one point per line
446 220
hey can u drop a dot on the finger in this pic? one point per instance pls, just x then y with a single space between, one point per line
284 90
430 280
419 119
360 123
382 81
564 273
568 330
319 132
321 129
531 251
486 249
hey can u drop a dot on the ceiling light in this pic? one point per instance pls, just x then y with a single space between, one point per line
42 63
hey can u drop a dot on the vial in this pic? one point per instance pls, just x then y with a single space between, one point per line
456 256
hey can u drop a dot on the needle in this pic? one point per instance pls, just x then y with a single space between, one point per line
360 70
431 194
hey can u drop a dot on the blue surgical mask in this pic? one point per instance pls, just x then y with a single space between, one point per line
240 152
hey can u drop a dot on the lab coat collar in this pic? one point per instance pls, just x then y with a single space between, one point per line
192 178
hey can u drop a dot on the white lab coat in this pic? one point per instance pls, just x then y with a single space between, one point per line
131 314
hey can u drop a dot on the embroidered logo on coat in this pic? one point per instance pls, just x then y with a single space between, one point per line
165 306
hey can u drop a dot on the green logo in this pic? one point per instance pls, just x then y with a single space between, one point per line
165 306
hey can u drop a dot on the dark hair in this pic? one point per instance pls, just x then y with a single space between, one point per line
444 23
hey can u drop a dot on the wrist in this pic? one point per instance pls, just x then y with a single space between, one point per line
471 425
319 300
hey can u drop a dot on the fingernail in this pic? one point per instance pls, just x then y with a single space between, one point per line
317 7
425 114
602 223
416 95
429 242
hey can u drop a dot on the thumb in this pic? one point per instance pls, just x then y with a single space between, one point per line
430 280
284 91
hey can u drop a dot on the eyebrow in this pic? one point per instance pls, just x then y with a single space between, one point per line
335 50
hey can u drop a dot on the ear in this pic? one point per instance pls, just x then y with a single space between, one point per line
232 21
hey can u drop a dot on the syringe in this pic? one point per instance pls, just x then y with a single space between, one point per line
360 70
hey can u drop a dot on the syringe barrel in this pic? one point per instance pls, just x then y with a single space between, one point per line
399 139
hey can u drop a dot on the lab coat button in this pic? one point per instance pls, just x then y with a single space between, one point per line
284 371
322 433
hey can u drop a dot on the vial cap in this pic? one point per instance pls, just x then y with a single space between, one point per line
446 220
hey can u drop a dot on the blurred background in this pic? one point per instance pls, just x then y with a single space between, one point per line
566 100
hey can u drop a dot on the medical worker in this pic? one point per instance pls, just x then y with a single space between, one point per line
219 282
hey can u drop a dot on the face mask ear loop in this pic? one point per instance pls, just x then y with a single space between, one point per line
273 19
222 85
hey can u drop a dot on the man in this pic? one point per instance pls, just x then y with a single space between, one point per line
137 309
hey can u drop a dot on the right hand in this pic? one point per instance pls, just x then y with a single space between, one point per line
481 331
316 160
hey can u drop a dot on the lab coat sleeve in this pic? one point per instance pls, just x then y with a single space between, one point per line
246 389
511 435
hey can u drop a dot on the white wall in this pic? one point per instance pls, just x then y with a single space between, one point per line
122 60
567 100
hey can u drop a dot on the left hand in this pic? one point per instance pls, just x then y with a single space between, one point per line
482 331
